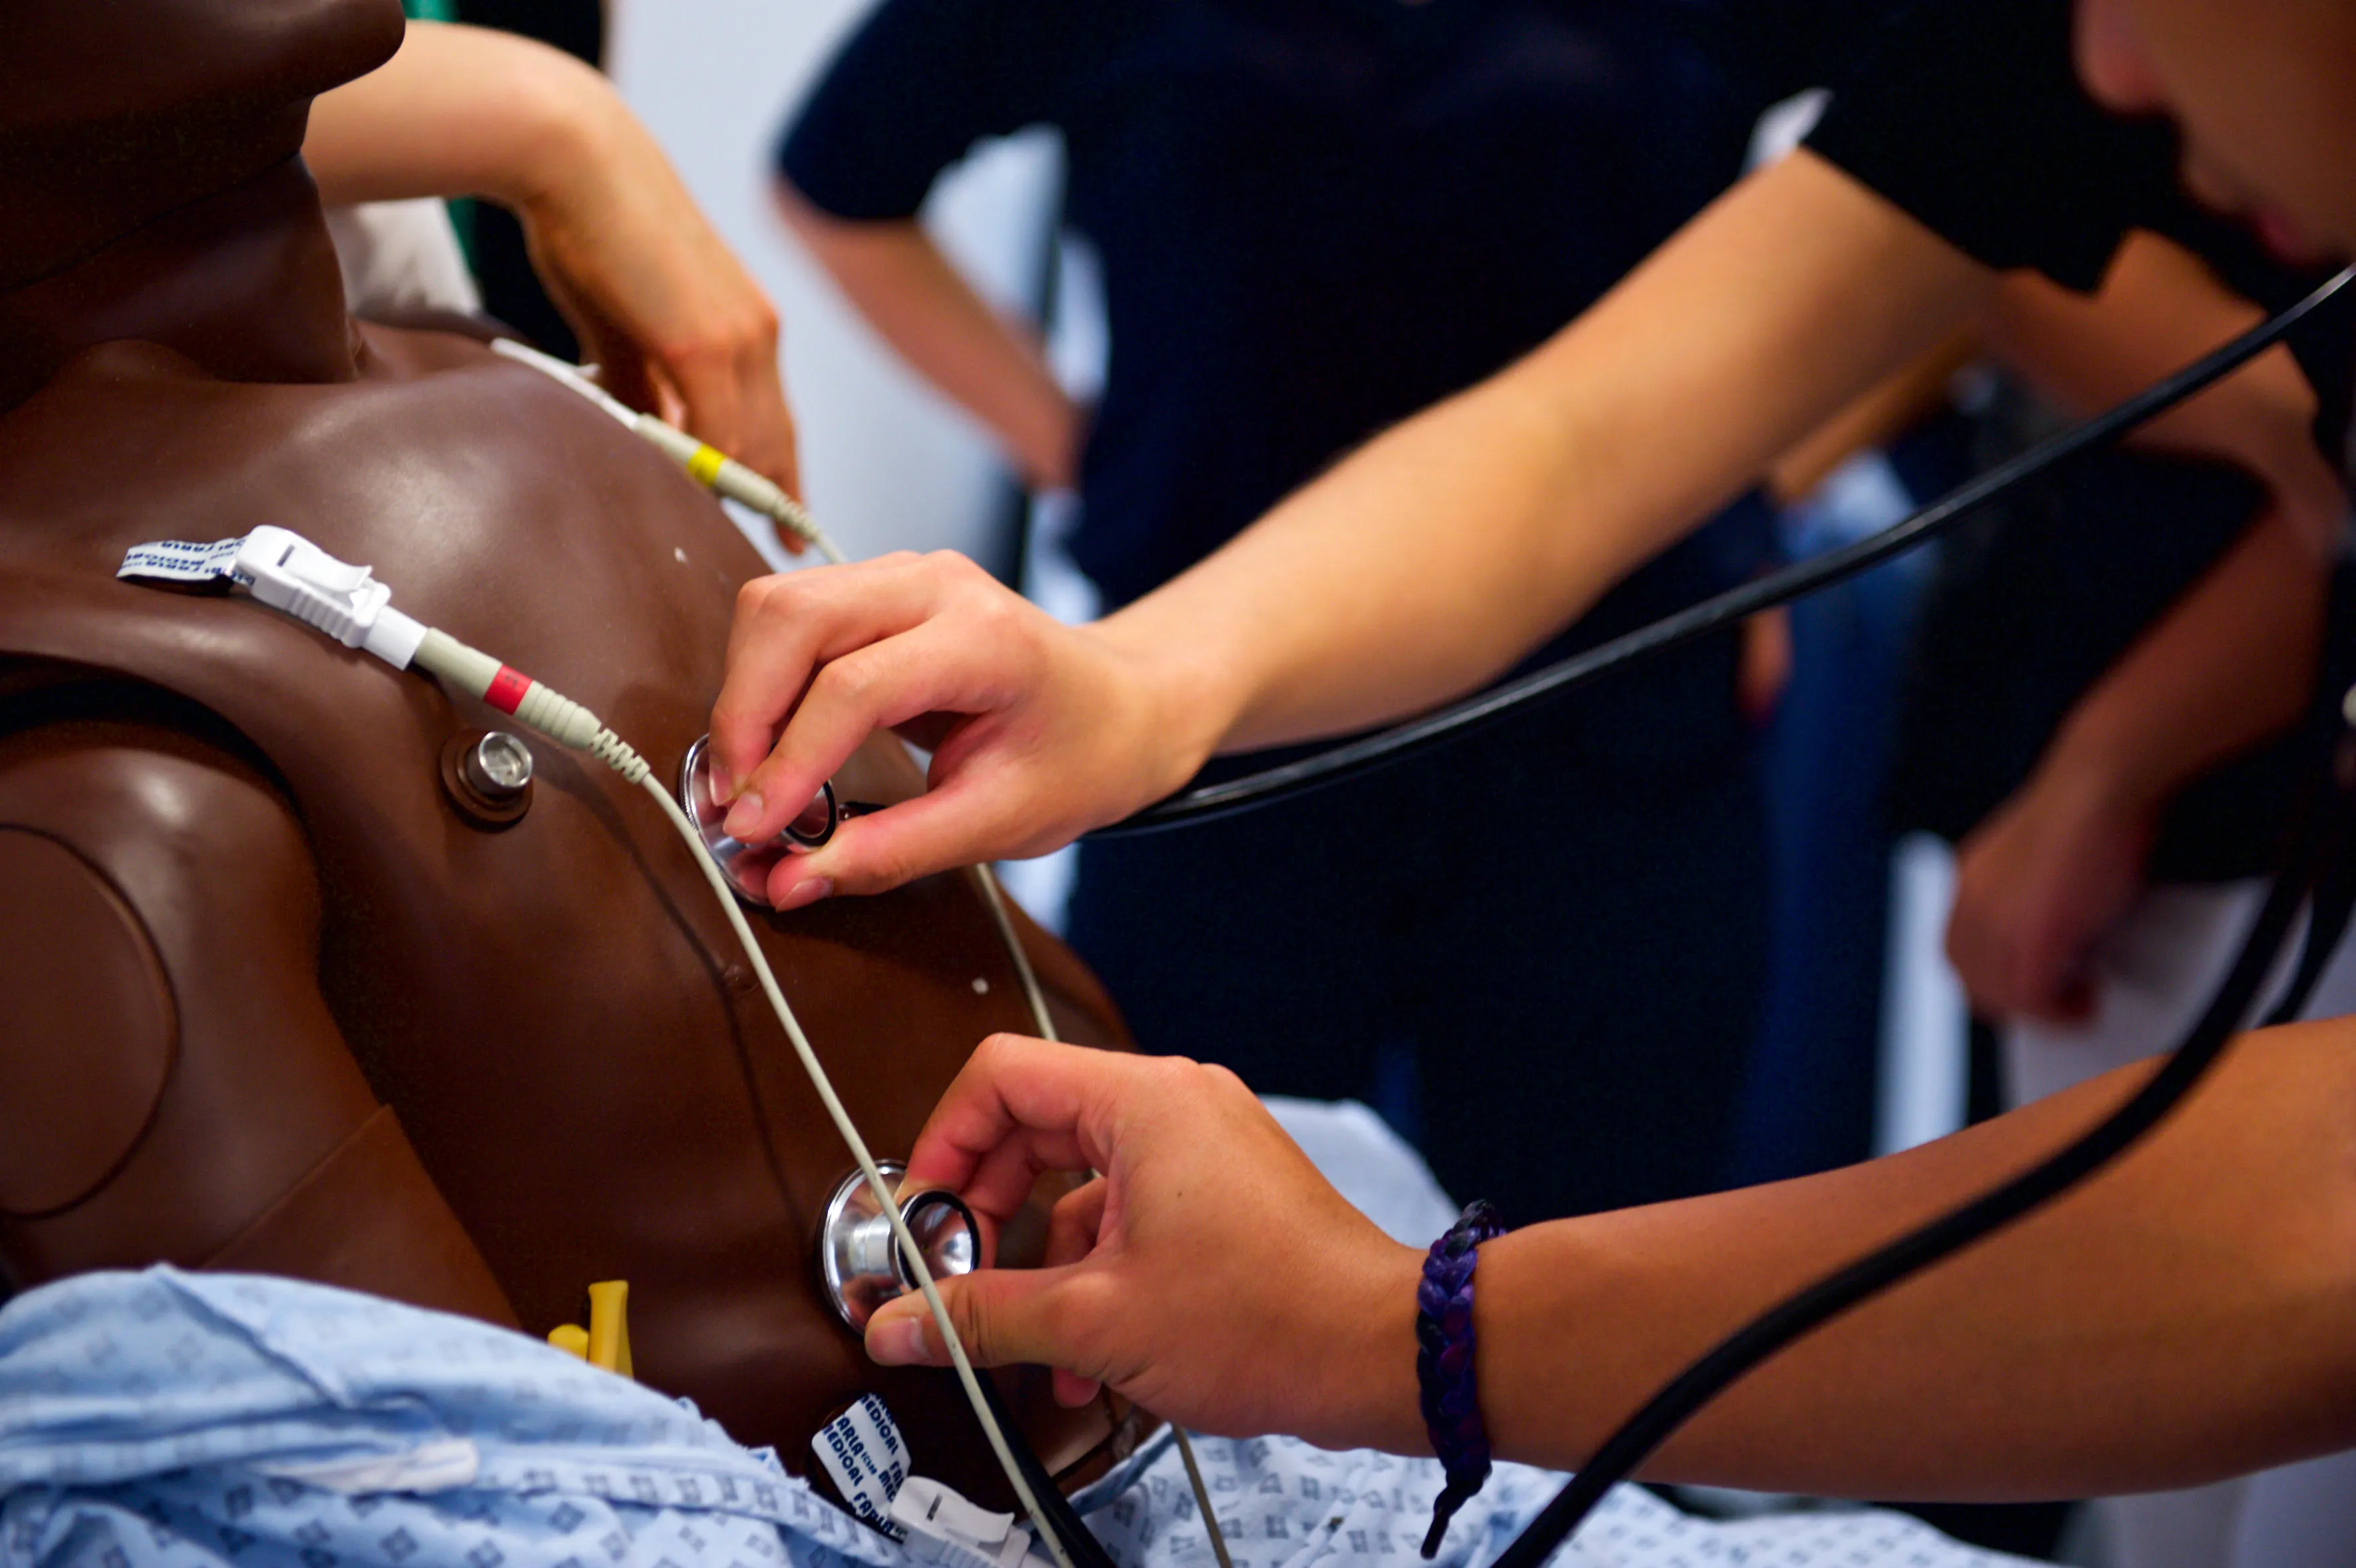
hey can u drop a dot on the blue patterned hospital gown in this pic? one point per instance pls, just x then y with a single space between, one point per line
165 1420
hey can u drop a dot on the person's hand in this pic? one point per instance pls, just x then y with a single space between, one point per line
1039 731
2036 887
1210 1273
667 312
672 319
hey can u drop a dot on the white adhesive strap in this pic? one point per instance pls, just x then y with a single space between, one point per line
440 1465
182 561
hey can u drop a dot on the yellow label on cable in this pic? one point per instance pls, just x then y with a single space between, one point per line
704 464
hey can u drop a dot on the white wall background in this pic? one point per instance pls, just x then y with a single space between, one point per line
886 464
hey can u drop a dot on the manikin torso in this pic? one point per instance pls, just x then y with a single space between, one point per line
271 997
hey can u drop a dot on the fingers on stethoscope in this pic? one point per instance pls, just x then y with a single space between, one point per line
1076 1223
789 632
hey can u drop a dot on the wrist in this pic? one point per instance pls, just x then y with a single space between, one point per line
1048 449
1363 1377
1446 1364
1188 696
2094 774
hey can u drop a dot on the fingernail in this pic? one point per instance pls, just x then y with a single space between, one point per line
809 890
744 816
723 787
899 1343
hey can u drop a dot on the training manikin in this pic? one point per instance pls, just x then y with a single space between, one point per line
277 992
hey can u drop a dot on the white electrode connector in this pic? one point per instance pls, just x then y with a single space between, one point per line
944 1527
289 573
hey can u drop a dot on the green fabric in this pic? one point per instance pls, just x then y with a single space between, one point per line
462 218
432 10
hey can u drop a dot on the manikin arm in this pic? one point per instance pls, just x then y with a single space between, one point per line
668 313
2182 1318
179 1091
921 305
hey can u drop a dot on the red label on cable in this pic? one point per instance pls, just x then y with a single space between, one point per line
506 688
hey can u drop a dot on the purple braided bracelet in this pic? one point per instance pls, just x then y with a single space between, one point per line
1443 1364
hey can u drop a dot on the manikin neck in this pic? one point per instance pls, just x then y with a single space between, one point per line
244 283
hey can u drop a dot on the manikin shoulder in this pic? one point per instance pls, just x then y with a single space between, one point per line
438 443
495 503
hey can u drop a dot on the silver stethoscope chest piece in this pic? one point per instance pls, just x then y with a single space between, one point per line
747 865
863 1269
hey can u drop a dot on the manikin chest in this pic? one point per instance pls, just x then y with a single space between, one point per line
552 1006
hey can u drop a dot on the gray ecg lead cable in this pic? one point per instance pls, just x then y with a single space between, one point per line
705 464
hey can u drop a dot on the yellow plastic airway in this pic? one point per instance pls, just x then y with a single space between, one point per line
609 1325
606 1341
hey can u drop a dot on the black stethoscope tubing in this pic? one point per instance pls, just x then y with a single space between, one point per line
1352 757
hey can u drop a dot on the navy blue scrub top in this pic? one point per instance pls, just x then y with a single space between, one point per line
1317 217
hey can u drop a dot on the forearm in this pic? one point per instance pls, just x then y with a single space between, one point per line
2184 1316
2225 669
660 305
459 112
896 278
2159 309
1883 415
2229 666
1439 554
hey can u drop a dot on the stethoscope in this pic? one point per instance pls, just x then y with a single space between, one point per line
2321 869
